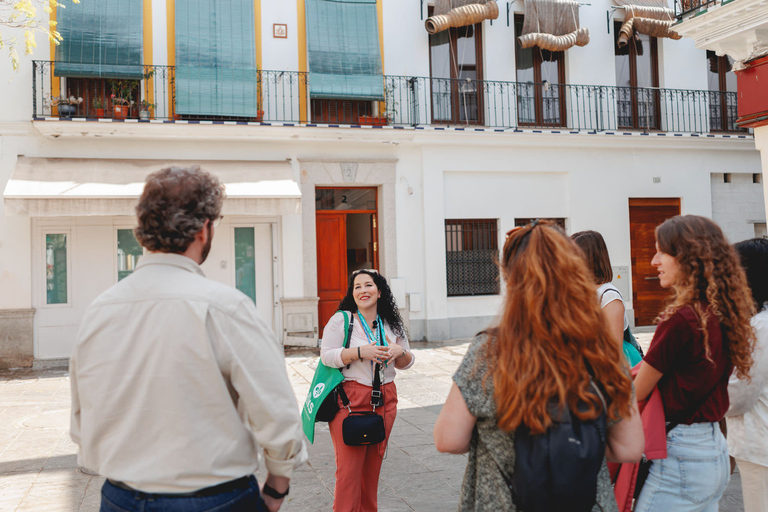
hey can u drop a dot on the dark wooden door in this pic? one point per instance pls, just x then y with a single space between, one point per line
331 263
648 297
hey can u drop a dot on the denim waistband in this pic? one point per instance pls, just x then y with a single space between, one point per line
695 429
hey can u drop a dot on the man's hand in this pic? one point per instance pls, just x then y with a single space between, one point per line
272 504
278 483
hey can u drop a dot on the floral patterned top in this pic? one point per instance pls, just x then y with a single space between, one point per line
484 488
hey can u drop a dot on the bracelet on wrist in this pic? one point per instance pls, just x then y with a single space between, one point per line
273 493
358 354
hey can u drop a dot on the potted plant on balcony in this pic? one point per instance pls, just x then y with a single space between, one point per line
67 105
98 105
122 94
145 109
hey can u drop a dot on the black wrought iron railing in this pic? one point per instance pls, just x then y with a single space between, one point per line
687 8
285 96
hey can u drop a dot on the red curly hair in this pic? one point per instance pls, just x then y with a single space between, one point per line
550 326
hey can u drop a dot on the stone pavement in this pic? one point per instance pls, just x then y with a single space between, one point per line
38 469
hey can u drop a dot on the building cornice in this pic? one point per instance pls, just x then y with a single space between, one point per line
389 135
738 28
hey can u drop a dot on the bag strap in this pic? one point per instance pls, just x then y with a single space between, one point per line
349 320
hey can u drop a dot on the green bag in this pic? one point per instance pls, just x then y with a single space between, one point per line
323 383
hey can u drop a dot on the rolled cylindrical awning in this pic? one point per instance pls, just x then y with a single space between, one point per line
460 13
552 25
649 17
57 187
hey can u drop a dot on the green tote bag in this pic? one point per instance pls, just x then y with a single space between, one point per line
325 380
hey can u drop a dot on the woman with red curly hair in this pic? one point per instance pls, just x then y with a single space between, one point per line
550 337
703 334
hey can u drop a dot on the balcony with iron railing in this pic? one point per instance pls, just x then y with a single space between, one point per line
283 97
689 8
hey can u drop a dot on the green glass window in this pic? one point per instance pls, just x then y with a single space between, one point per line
245 262
343 50
216 58
100 39
56 269
128 253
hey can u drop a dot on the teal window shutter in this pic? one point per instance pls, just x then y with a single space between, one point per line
343 48
216 71
100 39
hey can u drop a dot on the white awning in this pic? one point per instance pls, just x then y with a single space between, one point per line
55 187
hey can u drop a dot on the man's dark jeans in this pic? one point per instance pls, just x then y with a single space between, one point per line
247 498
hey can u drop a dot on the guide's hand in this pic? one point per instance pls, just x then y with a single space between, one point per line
374 352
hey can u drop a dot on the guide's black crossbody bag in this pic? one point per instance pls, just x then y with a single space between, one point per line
362 428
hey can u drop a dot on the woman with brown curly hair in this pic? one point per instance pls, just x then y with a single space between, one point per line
703 334
549 338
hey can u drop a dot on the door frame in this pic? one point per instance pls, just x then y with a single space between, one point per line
344 214
274 225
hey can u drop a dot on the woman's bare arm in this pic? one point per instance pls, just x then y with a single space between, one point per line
614 318
454 425
646 380
626 440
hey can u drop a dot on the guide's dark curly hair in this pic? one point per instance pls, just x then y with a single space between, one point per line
174 206
710 275
386 306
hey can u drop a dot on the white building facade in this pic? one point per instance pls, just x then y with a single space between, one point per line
418 173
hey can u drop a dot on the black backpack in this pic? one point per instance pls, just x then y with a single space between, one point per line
557 470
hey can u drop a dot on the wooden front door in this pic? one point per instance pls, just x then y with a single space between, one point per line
331 263
648 297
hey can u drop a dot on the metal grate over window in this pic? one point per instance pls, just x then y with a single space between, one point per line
472 253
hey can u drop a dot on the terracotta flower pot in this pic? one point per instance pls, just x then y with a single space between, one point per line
371 120
99 112
120 111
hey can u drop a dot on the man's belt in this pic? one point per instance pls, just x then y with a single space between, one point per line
200 493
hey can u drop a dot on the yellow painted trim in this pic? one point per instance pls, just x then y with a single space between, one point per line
55 81
380 17
257 33
170 16
301 34
257 30
148 50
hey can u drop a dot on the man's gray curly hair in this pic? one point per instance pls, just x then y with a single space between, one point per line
174 206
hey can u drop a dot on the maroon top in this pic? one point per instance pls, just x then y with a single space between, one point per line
677 351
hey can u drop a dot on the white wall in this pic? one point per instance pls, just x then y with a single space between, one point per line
738 205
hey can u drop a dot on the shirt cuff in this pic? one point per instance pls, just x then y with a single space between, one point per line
278 467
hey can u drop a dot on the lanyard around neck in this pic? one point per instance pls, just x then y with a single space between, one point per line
379 338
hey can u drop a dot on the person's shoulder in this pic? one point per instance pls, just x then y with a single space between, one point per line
760 320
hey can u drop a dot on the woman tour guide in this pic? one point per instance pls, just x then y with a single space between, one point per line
378 339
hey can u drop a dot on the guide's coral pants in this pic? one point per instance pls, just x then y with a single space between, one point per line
358 467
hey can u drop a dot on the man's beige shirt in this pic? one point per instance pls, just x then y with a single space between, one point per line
176 383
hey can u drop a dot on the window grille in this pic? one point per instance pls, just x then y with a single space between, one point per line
472 253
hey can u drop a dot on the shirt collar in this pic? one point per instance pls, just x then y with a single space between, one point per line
166 258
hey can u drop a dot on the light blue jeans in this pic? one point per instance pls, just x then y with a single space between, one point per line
694 475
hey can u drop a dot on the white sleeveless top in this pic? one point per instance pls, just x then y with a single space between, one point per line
608 293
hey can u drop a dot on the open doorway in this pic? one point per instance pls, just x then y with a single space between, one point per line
347 240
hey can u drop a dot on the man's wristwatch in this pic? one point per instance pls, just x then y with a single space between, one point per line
272 493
